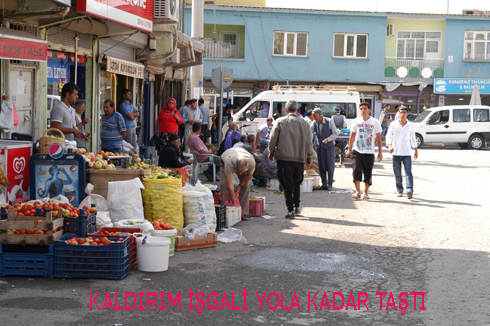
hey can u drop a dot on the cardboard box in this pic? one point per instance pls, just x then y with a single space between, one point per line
183 243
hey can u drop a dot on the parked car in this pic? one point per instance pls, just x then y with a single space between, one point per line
468 126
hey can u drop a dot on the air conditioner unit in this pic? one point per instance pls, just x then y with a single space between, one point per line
390 30
174 59
166 11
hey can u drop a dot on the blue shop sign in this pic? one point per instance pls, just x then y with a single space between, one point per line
461 85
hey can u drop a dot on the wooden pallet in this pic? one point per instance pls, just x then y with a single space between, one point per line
16 222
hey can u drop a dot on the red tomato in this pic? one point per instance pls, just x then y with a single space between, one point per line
120 240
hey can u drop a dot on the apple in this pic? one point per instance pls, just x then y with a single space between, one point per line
66 213
108 167
138 160
90 164
98 165
99 156
92 210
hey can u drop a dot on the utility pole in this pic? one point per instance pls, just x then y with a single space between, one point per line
196 79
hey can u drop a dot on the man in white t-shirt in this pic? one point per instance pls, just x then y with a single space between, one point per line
365 131
400 140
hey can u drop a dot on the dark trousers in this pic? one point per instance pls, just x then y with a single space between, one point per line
204 133
326 163
290 175
362 163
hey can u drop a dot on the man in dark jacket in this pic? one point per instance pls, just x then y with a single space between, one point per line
169 157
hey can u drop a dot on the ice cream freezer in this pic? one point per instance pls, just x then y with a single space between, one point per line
14 171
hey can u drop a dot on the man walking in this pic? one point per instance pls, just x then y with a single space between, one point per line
339 119
364 132
326 131
205 121
385 120
129 113
291 144
191 115
400 140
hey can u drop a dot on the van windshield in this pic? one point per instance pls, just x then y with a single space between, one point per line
258 109
346 109
422 116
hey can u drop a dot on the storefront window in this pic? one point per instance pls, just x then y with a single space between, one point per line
107 87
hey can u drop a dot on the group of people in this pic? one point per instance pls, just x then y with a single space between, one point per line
117 128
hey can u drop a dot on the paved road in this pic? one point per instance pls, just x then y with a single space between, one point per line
436 243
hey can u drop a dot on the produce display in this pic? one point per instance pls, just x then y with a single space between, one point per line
99 160
68 210
160 225
213 147
3 176
113 234
158 172
90 241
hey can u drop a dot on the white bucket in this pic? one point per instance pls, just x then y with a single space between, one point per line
167 234
152 252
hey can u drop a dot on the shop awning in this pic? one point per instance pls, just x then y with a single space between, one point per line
19 45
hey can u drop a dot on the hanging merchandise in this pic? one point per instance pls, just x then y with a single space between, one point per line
167 208
199 206
6 115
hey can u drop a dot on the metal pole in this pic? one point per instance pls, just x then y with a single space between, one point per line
220 113
76 59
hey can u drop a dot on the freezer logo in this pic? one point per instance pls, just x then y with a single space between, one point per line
139 3
19 164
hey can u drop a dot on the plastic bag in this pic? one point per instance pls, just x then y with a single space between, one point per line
103 218
7 115
58 199
124 200
231 235
167 207
192 230
230 203
199 206
144 225
92 198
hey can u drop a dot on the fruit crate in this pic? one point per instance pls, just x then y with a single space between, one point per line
233 215
81 226
26 260
80 261
256 206
30 223
133 255
220 217
183 174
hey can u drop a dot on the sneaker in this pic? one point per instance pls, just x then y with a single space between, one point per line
330 188
399 194
290 215
297 211
409 195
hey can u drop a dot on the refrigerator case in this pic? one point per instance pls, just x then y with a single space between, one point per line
52 177
14 156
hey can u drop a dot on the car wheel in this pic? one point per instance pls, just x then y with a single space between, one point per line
475 142
419 139
463 145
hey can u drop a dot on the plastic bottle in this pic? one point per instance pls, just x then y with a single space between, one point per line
39 211
3 213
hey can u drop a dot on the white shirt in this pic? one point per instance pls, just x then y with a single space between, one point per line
366 132
401 138
307 119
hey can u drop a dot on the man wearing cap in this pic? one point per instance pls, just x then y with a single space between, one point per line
339 119
80 123
326 131
169 158
291 144
191 115
264 133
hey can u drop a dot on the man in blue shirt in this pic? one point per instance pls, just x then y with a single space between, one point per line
191 115
205 121
129 113
113 129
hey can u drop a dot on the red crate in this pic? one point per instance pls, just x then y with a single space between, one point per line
256 207
133 257
183 174
217 199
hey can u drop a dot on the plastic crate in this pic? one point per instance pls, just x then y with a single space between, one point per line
26 260
133 260
183 174
220 217
81 226
306 185
217 199
233 215
256 207
108 262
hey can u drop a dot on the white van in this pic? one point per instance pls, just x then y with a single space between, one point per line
466 125
267 103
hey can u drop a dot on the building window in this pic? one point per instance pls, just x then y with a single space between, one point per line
350 45
291 44
418 45
477 45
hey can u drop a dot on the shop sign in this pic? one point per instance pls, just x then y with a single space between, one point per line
127 68
61 55
135 13
80 58
461 85
22 50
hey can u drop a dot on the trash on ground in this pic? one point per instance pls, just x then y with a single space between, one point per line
231 235
348 191
268 217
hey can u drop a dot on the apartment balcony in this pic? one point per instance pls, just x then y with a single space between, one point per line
410 68
221 50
